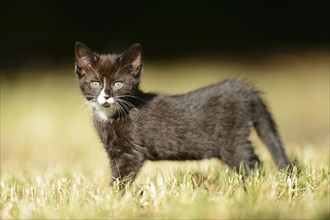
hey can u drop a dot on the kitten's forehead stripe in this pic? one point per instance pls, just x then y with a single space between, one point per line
108 65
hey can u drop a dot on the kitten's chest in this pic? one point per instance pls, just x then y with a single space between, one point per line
105 133
114 134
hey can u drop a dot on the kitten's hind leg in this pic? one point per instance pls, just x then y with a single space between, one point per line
248 159
242 158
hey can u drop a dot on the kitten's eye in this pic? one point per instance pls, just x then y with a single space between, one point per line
118 85
95 85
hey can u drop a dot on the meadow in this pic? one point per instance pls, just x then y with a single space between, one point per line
54 167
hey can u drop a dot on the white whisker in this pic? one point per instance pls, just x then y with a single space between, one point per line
120 68
128 105
86 107
89 66
118 110
132 96
121 111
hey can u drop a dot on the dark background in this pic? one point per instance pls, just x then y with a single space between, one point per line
44 32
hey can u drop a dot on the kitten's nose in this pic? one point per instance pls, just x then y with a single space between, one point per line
106 96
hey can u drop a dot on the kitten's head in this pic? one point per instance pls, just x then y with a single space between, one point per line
108 81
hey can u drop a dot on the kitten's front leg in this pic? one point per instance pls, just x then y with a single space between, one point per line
125 167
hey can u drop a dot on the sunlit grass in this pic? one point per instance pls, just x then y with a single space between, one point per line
53 165
217 193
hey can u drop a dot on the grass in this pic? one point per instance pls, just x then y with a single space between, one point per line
53 166
188 194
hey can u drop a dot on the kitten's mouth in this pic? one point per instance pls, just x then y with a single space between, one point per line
106 105
106 111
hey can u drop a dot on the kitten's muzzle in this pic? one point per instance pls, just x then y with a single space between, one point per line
106 105
107 102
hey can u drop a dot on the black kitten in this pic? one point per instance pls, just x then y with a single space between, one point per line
135 126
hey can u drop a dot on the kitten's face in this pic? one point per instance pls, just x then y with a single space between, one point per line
107 81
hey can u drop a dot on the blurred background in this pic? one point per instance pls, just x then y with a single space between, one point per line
35 32
281 47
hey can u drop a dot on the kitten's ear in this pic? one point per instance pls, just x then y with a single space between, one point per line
84 57
132 56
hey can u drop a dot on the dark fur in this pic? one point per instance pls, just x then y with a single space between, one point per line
214 121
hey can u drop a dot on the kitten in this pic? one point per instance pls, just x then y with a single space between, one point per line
135 126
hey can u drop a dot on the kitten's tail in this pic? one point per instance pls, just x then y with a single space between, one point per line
267 131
